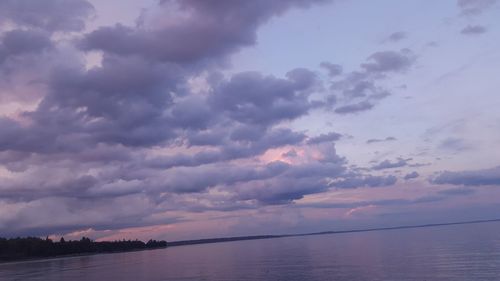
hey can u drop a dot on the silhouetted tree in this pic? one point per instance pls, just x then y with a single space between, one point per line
29 247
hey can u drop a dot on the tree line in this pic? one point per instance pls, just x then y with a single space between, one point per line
34 247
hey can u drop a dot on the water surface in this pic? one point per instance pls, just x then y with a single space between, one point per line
455 252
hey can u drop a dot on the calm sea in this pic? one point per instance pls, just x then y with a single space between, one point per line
458 252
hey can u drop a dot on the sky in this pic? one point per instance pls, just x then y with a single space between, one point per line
170 119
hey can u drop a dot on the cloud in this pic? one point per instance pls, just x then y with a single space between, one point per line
61 215
386 164
50 15
366 181
283 190
225 151
330 137
473 30
353 108
437 197
223 27
454 144
19 42
412 175
122 102
128 142
333 69
457 191
396 36
469 178
474 7
250 97
296 181
290 154
387 139
360 90
389 61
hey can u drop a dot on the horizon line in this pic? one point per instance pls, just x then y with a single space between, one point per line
270 236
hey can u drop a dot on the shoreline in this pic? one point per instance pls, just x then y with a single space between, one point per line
245 238
35 259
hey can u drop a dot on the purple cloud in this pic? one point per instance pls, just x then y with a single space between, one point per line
330 137
474 7
387 139
333 69
469 178
360 90
132 125
51 15
473 30
386 164
396 36
353 108
412 175
223 27
389 61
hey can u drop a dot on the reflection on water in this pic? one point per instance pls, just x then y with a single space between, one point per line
459 252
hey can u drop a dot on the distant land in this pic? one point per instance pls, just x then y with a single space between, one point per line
15 249
256 237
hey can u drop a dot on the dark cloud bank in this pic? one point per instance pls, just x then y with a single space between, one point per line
123 143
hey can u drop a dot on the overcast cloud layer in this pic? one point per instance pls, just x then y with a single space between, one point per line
150 128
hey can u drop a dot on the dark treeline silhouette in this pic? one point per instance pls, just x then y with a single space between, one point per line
34 247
